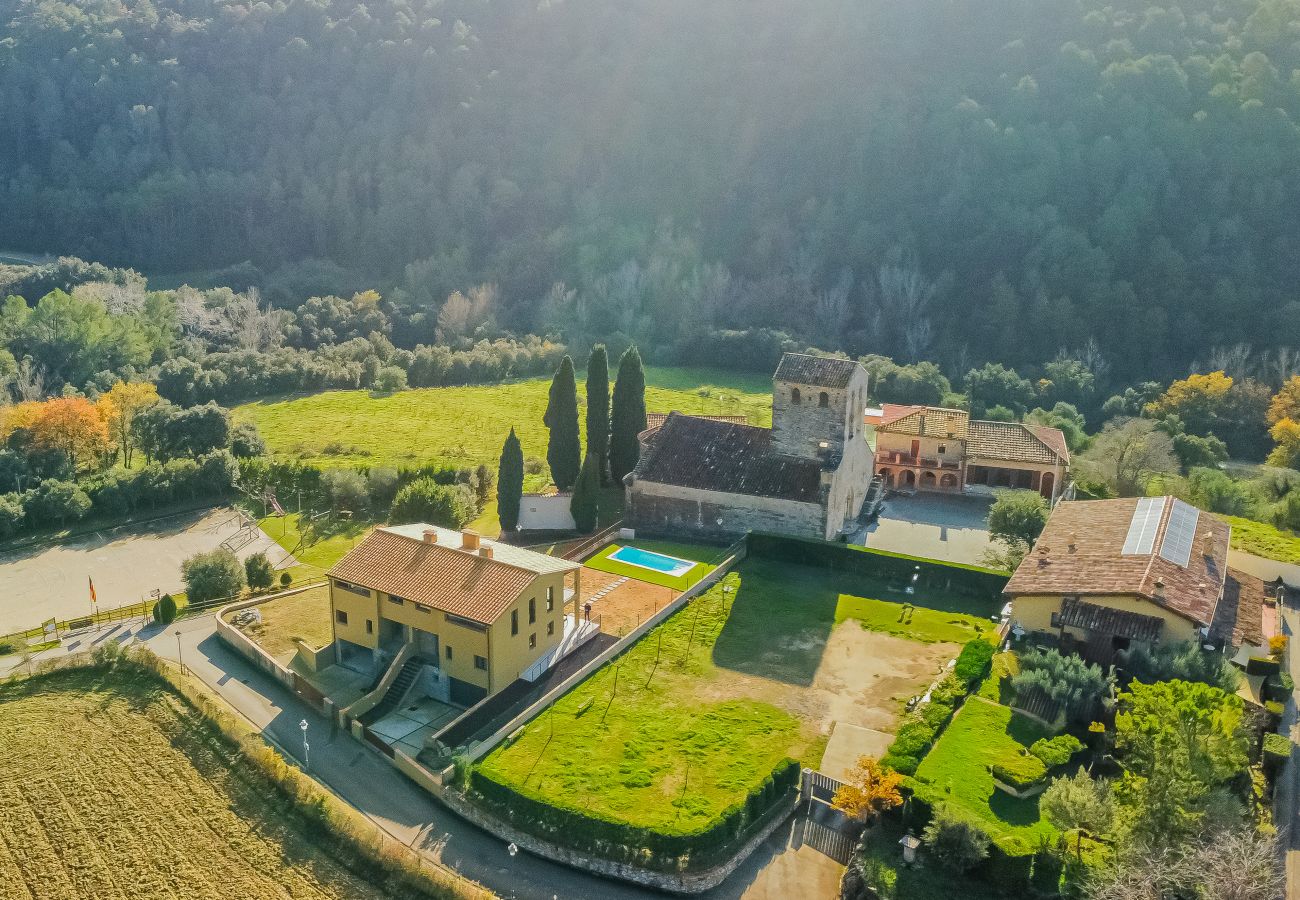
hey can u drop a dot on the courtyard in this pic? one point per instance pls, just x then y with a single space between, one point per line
948 527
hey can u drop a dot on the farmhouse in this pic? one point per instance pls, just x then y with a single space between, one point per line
932 448
716 479
1108 574
469 615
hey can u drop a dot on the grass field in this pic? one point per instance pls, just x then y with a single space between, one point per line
955 771
917 623
704 556
1263 540
114 788
304 615
466 425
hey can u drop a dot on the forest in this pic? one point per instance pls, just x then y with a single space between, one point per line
960 183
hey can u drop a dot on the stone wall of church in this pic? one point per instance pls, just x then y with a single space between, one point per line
670 511
799 428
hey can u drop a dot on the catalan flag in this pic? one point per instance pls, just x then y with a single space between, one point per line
93 598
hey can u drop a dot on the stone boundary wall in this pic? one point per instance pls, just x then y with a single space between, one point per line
672 882
735 553
246 646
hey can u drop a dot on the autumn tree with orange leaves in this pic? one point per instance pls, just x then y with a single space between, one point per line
870 790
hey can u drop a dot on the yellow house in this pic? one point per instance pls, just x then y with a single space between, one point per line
1106 574
472 615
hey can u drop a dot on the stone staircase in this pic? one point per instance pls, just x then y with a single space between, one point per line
397 691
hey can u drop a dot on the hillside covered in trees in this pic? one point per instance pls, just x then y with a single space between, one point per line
956 182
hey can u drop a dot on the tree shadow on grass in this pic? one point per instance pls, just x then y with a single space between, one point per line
780 622
1014 810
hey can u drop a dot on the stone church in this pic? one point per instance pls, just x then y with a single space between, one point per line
806 475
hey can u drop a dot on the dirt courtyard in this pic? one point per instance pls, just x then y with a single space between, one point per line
627 603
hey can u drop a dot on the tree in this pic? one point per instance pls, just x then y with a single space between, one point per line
1018 517
956 842
628 415
996 385
510 482
1127 454
120 408
72 426
1199 400
424 500
212 576
1181 661
246 442
869 791
585 503
390 380
1286 436
1238 862
598 409
1080 804
164 611
58 501
1064 679
1286 402
346 489
1066 418
564 448
1196 451
258 572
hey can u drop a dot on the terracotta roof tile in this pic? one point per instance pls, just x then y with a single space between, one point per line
926 421
456 581
1013 442
823 371
655 420
1080 553
1240 615
1080 614
693 452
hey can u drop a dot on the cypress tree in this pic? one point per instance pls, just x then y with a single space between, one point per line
564 449
510 483
585 504
627 419
598 409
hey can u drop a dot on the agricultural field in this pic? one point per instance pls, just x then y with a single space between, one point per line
466 425
760 667
114 788
305 616
1264 540
956 771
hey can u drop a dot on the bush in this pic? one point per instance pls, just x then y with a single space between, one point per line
164 611
957 843
346 489
1262 665
11 514
1181 661
1066 680
912 739
285 579
390 380
1017 777
949 691
1056 751
900 763
974 660
424 500
212 576
1277 750
258 572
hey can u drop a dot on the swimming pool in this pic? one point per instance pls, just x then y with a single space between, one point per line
655 562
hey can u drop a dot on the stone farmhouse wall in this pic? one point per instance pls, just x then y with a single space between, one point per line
671 511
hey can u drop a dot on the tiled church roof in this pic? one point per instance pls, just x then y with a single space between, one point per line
823 371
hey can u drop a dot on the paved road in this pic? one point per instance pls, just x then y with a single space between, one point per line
782 868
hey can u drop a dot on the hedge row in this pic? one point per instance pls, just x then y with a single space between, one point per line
1008 871
972 581
622 842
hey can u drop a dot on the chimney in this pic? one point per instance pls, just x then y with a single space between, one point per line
485 552
1207 544
1159 589
430 536
1074 540
469 540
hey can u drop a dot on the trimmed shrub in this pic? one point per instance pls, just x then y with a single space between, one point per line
903 765
258 572
974 661
1262 665
1277 750
912 739
1007 871
949 691
164 611
1018 777
1056 751
285 579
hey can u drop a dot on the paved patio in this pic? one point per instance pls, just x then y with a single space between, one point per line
407 727
936 526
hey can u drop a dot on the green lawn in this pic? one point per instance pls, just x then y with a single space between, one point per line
704 556
955 771
916 623
1004 666
321 552
882 865
466 425
657 739
1263 540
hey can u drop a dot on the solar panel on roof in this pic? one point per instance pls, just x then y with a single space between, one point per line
1143 526
1180 534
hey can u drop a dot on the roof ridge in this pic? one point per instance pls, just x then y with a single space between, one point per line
461 550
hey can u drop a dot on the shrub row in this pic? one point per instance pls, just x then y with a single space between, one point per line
973 581
1056 751
922 726
974 662
622 842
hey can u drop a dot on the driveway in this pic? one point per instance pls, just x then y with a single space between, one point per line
935 526
126 564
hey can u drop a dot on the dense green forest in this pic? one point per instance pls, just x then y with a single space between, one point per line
932 180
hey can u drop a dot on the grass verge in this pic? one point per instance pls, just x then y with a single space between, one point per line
1260 539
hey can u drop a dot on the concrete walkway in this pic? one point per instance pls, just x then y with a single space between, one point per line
783 867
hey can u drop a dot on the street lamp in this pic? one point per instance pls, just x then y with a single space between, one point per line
179 658
306 748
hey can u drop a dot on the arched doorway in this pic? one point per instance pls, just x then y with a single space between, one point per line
908 478
928 481
888 476
1047 485
948 481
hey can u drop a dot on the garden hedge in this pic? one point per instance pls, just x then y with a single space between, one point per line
1056 751
1015 778
974 661
627 843
1277 750
973 581
1262 665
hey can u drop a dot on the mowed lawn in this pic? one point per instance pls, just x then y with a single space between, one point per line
467 425
1260 539
955 771
657 738
113 788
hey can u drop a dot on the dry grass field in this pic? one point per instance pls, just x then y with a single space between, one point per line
305 616
113 788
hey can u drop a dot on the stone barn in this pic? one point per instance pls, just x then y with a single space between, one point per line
806 475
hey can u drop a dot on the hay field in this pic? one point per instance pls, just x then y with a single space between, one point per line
112 788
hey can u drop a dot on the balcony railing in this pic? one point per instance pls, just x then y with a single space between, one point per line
895 458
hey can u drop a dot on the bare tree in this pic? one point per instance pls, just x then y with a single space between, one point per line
1139 873
29 380
1233 361
1093 360
831 312
1239 864
118 299
1127 454
252 326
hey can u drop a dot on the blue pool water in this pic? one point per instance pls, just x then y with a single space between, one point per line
648 559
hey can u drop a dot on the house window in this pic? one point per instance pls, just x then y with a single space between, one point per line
480 662
532 610
370 626
943 448
550 628
397 600
823 399
1056 620
349 586
532 640
794 396
514 621
341 617
420 607
550 599
448 649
